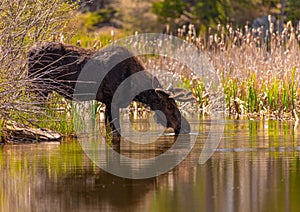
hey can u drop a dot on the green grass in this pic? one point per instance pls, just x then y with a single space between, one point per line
259 74
57 115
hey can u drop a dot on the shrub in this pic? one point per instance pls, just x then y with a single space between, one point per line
23 23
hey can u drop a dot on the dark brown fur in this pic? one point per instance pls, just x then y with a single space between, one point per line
57 67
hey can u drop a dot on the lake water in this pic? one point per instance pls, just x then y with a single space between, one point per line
256 167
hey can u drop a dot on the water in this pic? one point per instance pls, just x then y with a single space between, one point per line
255 168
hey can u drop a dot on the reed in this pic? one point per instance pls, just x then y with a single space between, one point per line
259 67
57 115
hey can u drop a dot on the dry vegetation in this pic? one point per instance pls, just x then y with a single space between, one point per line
259 68
23 23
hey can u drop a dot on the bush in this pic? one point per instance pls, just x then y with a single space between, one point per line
92 19
23 23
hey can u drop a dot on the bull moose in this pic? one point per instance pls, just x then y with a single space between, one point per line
57 67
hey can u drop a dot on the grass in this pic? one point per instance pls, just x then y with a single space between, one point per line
275 99
57 115
259 68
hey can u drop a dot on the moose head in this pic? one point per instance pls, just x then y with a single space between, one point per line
166 110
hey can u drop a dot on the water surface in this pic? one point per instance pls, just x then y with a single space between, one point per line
256 167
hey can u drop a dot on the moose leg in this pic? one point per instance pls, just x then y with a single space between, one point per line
114 124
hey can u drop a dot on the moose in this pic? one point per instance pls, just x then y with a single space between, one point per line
54 66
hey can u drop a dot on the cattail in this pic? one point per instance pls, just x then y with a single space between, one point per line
211 40
184 29
219 27
271 28
265 53
216 38
269 18
112 34
179 33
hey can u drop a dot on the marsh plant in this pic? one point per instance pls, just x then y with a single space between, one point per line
259 67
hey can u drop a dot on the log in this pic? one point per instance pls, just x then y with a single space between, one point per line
19 133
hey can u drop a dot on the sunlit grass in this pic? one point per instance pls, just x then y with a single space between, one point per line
259 68
57 115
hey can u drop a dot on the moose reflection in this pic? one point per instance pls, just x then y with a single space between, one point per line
57 67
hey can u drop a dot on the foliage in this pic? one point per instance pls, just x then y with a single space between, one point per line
205 14
92 19
210 13
293 10
22 24
168 10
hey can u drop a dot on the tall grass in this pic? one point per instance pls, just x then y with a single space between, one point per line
259 67
57 115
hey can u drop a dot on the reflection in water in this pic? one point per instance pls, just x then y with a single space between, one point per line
255 168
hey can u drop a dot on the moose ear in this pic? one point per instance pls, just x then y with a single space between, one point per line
161 92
